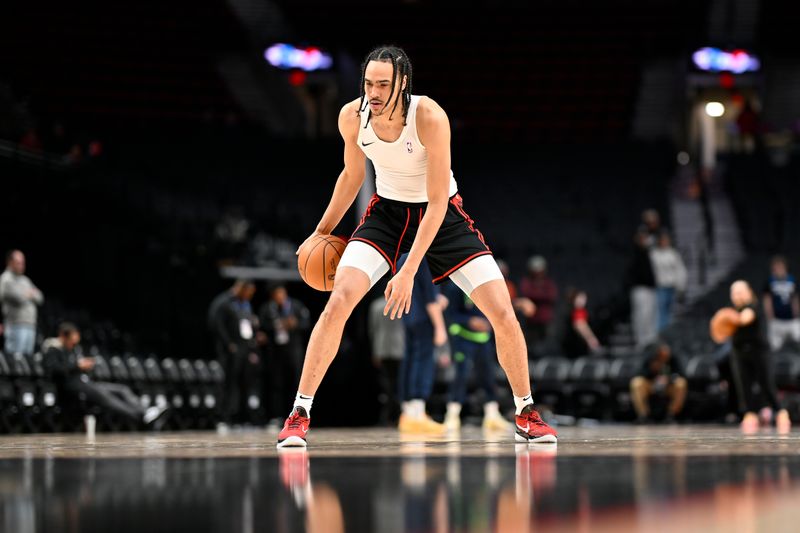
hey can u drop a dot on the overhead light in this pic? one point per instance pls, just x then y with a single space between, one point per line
715 109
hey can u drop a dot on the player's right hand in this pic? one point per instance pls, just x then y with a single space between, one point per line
316 232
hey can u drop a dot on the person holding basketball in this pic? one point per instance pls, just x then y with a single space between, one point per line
417 210
750 363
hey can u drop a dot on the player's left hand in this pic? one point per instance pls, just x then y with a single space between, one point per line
398 295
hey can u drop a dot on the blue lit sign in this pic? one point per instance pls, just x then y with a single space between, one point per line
716 60
287 56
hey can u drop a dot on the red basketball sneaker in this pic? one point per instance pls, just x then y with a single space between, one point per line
531 427
295 429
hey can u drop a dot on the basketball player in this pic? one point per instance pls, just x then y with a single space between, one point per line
417 209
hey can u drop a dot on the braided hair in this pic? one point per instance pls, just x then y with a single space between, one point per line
401 66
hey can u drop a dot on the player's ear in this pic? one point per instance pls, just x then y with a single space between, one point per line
405 81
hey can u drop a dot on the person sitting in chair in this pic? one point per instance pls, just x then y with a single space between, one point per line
69 371
661 374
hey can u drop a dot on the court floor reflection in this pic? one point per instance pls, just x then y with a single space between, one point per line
506 488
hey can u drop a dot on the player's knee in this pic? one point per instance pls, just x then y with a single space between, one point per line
680 383
339 305
504 319
638 383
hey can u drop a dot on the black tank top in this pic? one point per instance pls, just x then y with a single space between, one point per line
750 337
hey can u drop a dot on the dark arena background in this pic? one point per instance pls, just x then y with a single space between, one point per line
628 161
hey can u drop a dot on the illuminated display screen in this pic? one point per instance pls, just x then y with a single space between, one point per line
286 56
716 60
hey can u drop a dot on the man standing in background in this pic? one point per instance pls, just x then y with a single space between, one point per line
781 305
19 298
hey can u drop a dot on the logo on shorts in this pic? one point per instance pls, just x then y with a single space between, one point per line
409 147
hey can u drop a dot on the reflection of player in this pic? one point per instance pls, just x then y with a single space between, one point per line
319 501
750 362
417 210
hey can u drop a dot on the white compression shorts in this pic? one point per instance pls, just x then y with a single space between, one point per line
367 259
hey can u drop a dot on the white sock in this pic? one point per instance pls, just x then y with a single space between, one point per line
491 409
453 409
417 408
301 400
522 401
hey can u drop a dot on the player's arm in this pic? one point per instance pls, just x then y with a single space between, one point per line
746 316
351 177
796 305
433 129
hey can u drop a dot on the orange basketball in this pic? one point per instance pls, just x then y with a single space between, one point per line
724 324
318 259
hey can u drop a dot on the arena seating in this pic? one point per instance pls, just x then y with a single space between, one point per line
29 400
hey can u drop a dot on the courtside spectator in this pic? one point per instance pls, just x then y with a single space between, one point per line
285 321
781 305
233 327
388 346
19 298
642 283
69 371
670 276
540 289
579 339
661 374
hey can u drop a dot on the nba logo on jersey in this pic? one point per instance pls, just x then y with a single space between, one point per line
409 147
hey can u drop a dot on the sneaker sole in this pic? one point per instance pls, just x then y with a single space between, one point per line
292 442
536 440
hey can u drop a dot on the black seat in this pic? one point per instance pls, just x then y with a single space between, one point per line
551 382
590 392
620 373
706 397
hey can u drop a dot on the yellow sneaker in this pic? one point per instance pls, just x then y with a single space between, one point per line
408 424
495 422
432 427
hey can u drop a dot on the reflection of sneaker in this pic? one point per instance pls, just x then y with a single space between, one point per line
749 423
782 421
765 416
495 422
295 429
531 427
295 473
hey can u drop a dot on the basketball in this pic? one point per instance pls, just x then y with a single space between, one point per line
318 259
724 324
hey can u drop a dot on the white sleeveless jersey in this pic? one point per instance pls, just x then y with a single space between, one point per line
400 166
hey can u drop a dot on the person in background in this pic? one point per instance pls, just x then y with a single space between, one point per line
579 339
19 298
661 373
670 276
285 322
642 283
233 328
540 289
781 305
750 364
523 306
69 371
424 330
651 226
388 345
470 338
